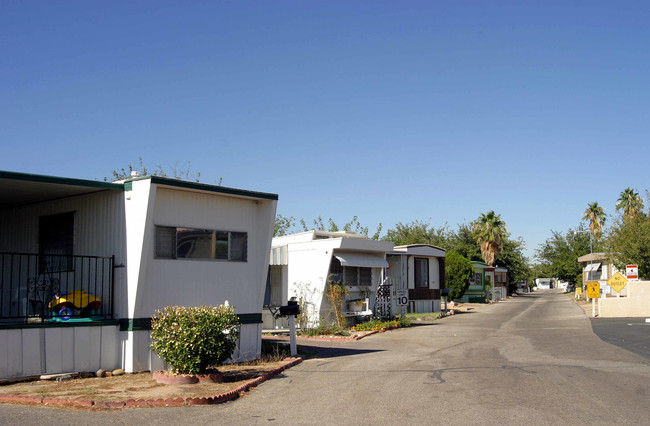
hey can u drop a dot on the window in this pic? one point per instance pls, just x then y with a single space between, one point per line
192 243
55 242
356 275
350 275
421 272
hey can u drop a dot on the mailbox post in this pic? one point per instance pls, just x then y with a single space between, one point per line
291 310
445 293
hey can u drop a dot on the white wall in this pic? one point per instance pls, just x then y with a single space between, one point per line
36 351
167 282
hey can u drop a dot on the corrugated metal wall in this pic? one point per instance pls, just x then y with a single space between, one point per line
99 228
35 351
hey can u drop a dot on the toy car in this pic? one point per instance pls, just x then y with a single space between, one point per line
75 303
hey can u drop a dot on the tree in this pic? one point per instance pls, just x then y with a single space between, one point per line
629 243
458 271
283 225
559 255
463 242
175 172
630 203
489 231
595 215
512 257
418 232
352 226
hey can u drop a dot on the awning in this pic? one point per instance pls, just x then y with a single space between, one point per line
592 267
362 260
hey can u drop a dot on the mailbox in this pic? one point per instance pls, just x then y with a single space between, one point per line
292 308
445 291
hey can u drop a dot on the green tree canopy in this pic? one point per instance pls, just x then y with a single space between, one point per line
559 255
629 243
418 232
463 242
512 257
458 271
630 203
283 225
595 215
352 226
490 231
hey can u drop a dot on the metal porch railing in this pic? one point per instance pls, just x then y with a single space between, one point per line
41 288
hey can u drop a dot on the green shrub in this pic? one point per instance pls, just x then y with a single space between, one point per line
377 324
404 321
193 339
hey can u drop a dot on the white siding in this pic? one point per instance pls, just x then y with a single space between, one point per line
98 224
35 351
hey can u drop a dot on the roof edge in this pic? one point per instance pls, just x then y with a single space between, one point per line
205 187
28 177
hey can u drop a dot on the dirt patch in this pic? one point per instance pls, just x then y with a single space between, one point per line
141 386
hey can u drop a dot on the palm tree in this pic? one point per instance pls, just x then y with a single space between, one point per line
490 231
595 215
630 203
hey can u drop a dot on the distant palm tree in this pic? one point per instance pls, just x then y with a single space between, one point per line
630 202
595 215
490 231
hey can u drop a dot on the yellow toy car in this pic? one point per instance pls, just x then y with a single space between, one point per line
76 303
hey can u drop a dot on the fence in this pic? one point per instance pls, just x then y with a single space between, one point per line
37 288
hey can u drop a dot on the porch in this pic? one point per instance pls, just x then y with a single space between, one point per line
38 288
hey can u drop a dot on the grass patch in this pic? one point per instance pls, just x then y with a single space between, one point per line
425 316
326 330
377 324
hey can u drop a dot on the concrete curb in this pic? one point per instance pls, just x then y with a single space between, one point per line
168 402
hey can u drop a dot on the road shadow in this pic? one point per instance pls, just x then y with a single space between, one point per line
314 351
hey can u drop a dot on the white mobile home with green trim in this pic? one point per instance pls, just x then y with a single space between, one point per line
85 264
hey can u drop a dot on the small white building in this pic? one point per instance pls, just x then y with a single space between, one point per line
116 253
302 264
420 269
544 283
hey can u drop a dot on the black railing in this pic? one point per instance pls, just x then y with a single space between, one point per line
37 287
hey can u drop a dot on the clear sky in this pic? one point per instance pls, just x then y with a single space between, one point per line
389 110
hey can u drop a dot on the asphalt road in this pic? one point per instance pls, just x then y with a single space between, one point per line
531 359
632 334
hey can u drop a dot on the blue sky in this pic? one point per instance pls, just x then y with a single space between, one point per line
391 111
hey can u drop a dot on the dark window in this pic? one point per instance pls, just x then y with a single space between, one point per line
421 272
55 242
353 275
191 243
238 246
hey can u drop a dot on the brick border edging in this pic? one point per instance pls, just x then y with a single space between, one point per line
346 338
167 402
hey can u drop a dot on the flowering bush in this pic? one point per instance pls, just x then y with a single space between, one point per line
193 339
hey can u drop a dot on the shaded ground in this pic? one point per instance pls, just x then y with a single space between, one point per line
140 385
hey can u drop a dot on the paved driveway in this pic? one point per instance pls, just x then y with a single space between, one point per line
532 359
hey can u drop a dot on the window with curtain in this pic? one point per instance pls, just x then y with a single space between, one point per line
207 244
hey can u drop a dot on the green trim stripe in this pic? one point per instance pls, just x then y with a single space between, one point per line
205 187
126 324
61 180
250 318
143 324
60 324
